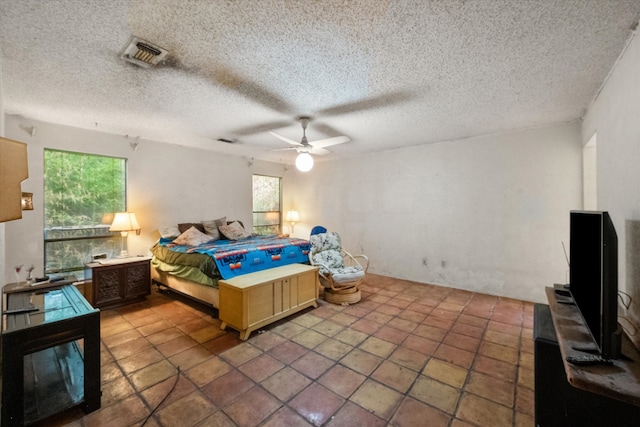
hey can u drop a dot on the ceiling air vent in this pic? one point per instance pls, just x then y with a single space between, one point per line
143 53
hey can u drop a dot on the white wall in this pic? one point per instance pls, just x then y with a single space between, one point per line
615 118
485 214
167 184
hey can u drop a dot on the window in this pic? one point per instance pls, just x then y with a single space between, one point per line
267 214
81 193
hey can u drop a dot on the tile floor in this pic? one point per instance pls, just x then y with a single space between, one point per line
408 354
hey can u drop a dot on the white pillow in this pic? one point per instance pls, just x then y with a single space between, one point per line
192 237
211 227
169 231
234 231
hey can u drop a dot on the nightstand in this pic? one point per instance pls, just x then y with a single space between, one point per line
118 281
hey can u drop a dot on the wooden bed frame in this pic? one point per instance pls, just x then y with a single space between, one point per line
207 295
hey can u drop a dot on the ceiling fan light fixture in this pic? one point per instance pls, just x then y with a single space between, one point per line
304 162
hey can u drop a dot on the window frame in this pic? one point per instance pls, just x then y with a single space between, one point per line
279 212
78 270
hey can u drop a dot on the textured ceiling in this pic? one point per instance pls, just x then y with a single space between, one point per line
388 74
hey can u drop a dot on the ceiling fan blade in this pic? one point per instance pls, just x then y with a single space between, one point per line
368 103
264 127
284 138
328 142
284 149
318 151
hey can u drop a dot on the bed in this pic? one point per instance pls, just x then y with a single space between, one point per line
194 269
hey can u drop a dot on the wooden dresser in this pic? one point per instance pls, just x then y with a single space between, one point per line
117 282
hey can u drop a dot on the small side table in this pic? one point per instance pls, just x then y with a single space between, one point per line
118 281
64 333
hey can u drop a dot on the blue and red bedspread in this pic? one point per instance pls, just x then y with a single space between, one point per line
236 257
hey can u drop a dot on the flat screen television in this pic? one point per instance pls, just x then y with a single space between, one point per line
593 277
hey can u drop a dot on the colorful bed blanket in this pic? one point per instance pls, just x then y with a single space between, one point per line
236 257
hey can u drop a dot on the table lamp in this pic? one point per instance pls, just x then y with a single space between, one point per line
124 222
292 217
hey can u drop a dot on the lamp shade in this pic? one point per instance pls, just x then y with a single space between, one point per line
304 162
124 221
292 216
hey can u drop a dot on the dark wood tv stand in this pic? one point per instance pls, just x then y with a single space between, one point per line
570 395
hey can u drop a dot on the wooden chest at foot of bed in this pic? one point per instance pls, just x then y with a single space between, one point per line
251 301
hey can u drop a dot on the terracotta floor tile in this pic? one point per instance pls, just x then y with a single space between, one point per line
405 353
207 333
390 334
159 393
431 332
353 415
190 357
285 417
377 346
152 328
316 404
484 412
285 383
152 374
366 326
411 315
164 336
491 388
496 368
120 338
409 358
377 398
312 364
227 387
445 372
341 380
395 376
455 355
252 407
415 413
514 330
361 361
500 352
418 343
333 349
435 393
462 341
240 354
328 327
288 329
110 372
140 360
222 343
217 419
309 338
266 340
524 401
307 320
177 345
122 413
207 371
187 411
130 348
502 338
379 318
115 390
261 367
288 351
351 336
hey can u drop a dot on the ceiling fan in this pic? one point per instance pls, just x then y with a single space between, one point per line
304 161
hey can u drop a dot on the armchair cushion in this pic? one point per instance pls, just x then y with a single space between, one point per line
347 274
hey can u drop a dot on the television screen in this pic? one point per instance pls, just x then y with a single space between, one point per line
593 277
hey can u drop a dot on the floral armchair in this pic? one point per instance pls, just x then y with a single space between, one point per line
340 272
